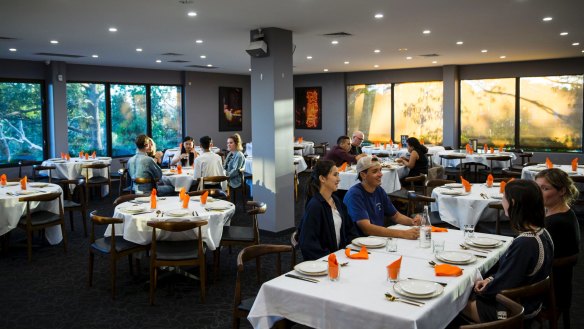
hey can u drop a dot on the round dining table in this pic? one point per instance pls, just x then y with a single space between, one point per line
73 169
389 181
530 172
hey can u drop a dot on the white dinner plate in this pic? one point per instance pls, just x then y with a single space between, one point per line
454 192
470 243
221 208
104 158
38 184
538 169
580 166
55 159
12 183
134 209
418 288
58 161
178 212
198 198
496 184
486 242
496 196
143 199
456 257
398 288
312 267
369 242
454 185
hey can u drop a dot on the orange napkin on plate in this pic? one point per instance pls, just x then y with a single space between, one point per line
391 143
447 270
67 156
362 254
86 156
93 155
393 268
179 169
343 167
502 187
23 182
333 266
3 180
466 184
185 201
204 197
153 199
493 150
490 180
575 164
385 146
439 229
182 193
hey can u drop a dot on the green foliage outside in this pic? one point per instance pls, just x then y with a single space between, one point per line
128 106
166 111
86 119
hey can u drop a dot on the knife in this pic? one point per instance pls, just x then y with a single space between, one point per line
443 284
357 250
302 278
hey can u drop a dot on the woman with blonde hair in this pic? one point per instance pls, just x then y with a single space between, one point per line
234 161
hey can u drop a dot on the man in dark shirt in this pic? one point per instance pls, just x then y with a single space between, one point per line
340 152
356 142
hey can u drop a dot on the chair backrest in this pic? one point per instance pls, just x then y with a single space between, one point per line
37 168
93 166
214 179
501 158
256 208
104 220
40 197
420 179
514 318
431 184
125 198
543 289
145 180
177 226
78 190
436 172
417 201
213 192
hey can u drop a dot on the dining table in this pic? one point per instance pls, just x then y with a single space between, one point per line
358 298
390 181
137 213
185 179
529 172
477 157
307 148
299 164
73 169
12 209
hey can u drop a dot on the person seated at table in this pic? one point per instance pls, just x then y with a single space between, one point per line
356 142
340 152
143 166
559 192
417 162
208 163
325 226
151 151
368 204
234 161
528 259
187 153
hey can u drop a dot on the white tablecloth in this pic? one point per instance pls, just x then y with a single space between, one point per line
169 153
475 157
466 209
72 169
531 171
389 181
300 167
432 150
357 299
12 209
134 228
185 179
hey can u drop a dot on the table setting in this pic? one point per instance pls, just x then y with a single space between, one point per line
392 172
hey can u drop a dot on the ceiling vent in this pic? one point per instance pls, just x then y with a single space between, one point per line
172 54
178 61
203 67
7 38
429 55
60 55
337 34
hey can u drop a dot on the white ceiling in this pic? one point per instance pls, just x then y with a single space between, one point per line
513 28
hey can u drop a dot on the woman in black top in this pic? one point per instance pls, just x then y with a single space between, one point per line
418 162
528 259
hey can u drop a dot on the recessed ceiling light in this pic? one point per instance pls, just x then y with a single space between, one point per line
402 49
209 65
192 13
346 62
484 51
198 41
203 56
459 42
547 19
434 62
113 29
54 42
12 49
139 50
377 51
378 15
250 70
564 33
427 32
576 44
158 61
326 70
503 56
335 42
308 57
95 56
375 65
409 57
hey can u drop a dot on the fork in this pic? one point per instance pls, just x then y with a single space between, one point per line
392 298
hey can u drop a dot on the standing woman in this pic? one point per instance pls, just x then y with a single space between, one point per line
187 154
528 259
325 226
418 162
234 161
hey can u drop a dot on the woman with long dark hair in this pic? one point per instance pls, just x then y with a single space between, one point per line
325 226
417 162
528 260
187 154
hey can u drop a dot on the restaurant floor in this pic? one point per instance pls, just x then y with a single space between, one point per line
52 291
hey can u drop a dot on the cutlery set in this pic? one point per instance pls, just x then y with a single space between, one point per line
393 298
303 278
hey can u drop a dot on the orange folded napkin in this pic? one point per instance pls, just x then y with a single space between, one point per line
68 157
391 143
362 254
439 229
185 201
153 199
23 182
62 155
548 163
575 164
343 167
447 270
182 193
466 184
502 187
3 179
333 266
300 140
80 154
204 197
385 146
485 148
490 180
179 169
500 149
93 155
393 268
400 145
421 141
493 150
86 156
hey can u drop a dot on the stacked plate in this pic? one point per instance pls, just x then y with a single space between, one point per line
312 268
142 199
496 196
134 209
12 183
454 192
369 242
38 185
495 184
481 242
456 257
418 288
178 212
453 185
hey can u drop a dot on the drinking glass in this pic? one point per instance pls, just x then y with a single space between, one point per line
391 245
437 246
468 231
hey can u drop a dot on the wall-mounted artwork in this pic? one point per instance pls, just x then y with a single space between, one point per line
230 109
308 108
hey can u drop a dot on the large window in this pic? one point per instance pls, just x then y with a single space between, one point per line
369 110
21 122
551 113
488 111
166 112
418 110
128 106
86 118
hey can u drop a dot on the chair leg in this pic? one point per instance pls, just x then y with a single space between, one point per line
90 276
258 268
216 263
152 283
29 245
235 322
131 265
113 274
71 221
64 236
84 218
203 277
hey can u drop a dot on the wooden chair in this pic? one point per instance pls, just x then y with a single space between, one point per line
125 198
320 149
176 253
241 307
144 180
241 189
298 149
562 276
294 244
296 180
40 220
214 193
241 235
514 318
115 246
542 288
402 195
456 171
37 177
431 184
96 181
75 201
216 180
496 172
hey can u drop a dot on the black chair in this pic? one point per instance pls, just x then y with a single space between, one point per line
542 288
514 318
457 171
562 275
38 177
75 201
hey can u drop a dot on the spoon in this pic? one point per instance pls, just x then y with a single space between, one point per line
392 298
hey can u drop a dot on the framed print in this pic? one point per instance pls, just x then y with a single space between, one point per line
230 109
308 108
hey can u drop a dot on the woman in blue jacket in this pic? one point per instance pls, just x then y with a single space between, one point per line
234 161
325 226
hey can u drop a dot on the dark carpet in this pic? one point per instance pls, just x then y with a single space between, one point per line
52 290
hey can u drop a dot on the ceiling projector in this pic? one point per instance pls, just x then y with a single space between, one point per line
258 48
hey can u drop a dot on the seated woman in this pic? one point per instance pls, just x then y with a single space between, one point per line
234 161
559 192
418 162
156 155
325 226
187 154
528 260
